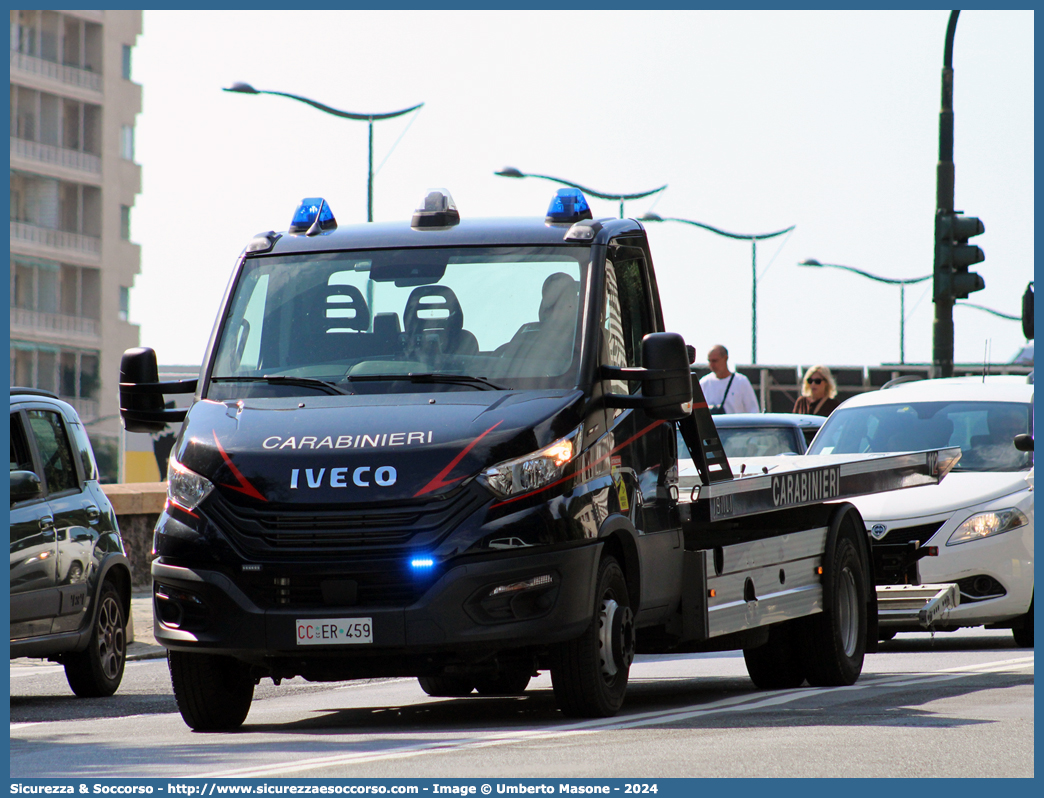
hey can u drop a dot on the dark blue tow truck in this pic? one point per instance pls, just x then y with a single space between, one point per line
447 449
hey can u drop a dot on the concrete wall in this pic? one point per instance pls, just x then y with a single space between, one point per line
138 506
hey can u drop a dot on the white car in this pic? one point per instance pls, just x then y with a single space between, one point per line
978 522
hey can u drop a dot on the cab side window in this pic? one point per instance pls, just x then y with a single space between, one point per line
59 468
627 316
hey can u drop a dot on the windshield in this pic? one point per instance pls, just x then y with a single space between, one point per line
383 321
984 430
754 441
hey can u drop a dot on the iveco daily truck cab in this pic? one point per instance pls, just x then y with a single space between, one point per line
447 449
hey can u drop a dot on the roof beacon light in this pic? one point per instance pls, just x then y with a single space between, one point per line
436 210
568 205
313 216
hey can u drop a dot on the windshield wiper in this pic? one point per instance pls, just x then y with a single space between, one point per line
305 382
430 377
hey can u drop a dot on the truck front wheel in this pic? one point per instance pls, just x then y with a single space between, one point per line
589 673
213 693
836 637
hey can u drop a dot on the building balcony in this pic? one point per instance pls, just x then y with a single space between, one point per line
32 322
67 75
55 156
85 246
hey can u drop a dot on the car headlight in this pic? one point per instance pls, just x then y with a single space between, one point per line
532 471
983 525
186 488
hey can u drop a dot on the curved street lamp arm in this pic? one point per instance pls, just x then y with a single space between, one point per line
592 192
889 280
651 217
343 114
988 310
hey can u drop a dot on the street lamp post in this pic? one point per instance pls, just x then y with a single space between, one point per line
753 238
891 281
246 88
510 171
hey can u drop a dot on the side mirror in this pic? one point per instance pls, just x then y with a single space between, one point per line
1024 442
141 392
666 381
25 485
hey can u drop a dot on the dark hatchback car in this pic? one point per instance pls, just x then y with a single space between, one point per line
70 578
763 434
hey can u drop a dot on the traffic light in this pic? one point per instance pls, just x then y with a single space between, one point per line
953 256
1027 313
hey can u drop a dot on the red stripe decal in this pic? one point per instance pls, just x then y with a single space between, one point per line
440 481
244 486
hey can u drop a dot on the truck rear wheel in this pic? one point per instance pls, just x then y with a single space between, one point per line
446 686
836 637
512 681
778 664
589 673
213 693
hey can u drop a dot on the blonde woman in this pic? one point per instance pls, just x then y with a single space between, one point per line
818 393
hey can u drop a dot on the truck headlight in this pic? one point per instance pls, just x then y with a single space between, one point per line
532 471
186 488
983 525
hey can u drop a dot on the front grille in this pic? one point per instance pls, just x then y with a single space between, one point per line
905 534
281 532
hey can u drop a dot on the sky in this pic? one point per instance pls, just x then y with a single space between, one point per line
828 121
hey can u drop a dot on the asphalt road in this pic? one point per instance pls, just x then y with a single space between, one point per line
958 705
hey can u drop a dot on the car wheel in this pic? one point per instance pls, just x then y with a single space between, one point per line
1023 632
98 670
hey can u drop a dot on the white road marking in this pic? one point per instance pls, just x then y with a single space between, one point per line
732 704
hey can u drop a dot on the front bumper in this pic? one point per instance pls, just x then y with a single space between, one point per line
206 611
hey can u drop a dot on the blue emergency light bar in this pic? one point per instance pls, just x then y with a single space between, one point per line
422 563
568 205
312 216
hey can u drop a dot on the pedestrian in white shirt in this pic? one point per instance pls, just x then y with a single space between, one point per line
724 390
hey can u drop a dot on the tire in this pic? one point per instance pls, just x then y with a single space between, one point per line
1024 632
446 686
213 693
836 638
507 682
778 664
97 671
589 673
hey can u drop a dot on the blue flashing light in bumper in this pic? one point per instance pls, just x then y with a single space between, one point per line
312 216
422 563
568 205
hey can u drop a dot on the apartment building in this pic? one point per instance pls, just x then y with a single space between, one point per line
73 186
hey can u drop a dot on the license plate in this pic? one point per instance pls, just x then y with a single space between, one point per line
334 631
